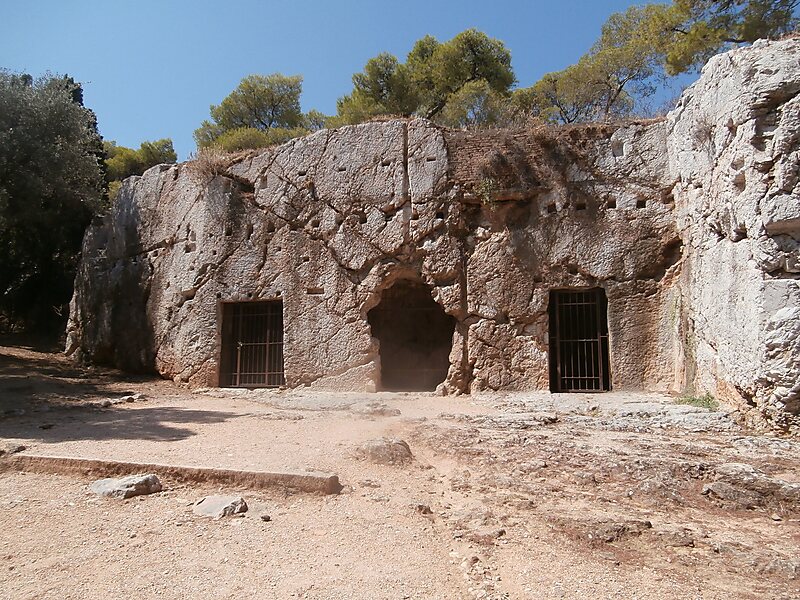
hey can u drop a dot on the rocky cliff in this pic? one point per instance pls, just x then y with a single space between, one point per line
734 152
690 226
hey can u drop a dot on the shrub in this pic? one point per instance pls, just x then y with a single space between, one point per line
705 401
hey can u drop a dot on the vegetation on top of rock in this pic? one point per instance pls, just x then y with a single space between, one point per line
608 80
122 162
436 76
263 110
701 28
642 46
467 81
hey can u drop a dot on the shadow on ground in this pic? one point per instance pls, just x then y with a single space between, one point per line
160 423
46 397
32 377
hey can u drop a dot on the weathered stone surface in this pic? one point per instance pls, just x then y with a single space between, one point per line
386 451
747 487
127 487
613 531
218 507
690 225
733 147
337 217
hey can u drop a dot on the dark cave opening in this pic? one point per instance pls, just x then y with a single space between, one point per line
415 336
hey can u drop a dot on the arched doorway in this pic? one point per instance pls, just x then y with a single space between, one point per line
415 336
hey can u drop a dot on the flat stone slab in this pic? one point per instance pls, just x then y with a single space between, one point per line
127 487
748 487
312 482
217 507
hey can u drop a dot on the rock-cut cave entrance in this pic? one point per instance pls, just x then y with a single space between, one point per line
415 336
579 341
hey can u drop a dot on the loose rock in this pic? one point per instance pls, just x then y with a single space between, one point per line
9 448
217 507
612 531
386 451
127 487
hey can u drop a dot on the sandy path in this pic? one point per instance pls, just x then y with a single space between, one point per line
522 491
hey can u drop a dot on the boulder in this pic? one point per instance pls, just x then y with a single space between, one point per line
386 451
127 487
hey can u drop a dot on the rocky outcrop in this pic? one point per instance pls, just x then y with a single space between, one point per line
733 147
689 225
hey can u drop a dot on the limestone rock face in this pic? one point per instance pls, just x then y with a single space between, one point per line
688 226
733 147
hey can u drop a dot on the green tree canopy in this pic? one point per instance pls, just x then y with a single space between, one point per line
433 75
158 152
384 87
122 162
640 47
261 102
477 104
704 27
249 138
263 109
618 69
51 184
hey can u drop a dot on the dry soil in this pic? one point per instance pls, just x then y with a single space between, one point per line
507 495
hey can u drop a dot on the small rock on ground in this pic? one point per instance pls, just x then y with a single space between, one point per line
217 507
127 487
386 451
9 449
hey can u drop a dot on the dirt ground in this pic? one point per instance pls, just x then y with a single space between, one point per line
507 496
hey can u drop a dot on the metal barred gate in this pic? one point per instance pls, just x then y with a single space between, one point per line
252 344
579 341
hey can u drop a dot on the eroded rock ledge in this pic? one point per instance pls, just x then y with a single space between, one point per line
689 226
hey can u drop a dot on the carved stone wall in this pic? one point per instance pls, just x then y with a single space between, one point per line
689 224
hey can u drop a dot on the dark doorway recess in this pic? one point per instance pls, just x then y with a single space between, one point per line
416 336
252 344
579 341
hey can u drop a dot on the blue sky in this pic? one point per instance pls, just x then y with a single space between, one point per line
151 69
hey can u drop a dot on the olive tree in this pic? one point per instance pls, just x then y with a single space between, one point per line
51 184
